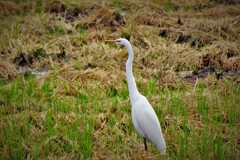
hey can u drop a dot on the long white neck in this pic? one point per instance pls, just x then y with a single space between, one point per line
132 87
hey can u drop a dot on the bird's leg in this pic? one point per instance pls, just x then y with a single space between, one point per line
145 143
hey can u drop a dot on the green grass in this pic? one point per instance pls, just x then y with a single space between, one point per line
117 4
168 6
56 130
38 121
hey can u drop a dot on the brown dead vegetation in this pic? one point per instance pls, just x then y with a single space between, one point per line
104 18
8 71
55 6
211 42
7 7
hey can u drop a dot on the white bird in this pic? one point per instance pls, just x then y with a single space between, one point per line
144 118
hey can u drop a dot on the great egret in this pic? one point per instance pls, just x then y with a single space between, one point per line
144 118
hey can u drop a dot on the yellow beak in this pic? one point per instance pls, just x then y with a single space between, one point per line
110 40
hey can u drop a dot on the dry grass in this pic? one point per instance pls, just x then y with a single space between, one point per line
187 63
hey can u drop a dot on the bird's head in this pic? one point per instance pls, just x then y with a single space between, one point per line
123 42
120 41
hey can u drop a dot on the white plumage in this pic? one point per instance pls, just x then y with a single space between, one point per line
144 118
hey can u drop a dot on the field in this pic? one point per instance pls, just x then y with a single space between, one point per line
64 94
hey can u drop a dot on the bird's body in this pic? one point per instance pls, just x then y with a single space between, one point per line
146 123
144 118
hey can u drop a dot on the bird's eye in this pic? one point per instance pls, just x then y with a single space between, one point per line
118 41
